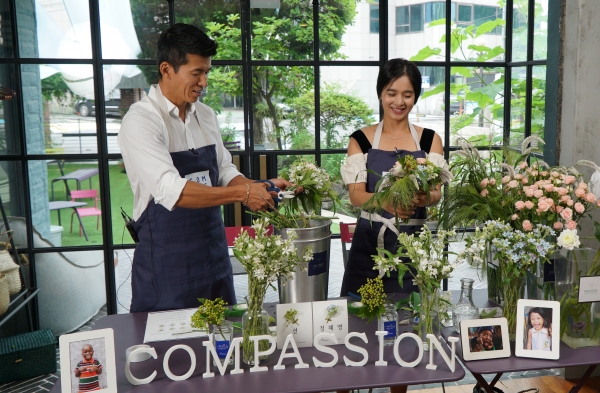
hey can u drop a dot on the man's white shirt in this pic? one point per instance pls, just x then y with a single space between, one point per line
145 144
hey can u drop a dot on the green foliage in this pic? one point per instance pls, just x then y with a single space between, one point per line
210 312
372 298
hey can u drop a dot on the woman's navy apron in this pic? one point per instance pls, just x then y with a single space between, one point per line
182 254
373 230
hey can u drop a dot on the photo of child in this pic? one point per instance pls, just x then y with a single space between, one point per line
539 328
485 338
87 360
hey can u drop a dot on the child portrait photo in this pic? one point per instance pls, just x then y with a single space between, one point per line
538 329
484 339
87 362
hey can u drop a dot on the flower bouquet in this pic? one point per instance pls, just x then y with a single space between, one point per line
265 258
406 179
429 264
517 251
297 211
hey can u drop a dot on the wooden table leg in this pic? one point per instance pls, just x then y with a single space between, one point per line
489 388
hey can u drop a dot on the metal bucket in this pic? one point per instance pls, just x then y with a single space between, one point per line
312 283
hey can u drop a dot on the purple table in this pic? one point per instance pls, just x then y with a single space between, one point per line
58 205
129 330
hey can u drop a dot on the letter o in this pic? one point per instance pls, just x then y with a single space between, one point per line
419 345
166 363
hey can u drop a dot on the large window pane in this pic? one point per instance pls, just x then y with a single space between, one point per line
219 19
416 17
60 111
54 29
118 28
11 188
349 31
416 29
278 95
6 38
429 110
345 213
517 106
285 33
519 42
476 106
348 102
121 197
538 104
9 119
540 35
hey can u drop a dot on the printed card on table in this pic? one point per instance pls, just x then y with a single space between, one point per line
330 316
301 328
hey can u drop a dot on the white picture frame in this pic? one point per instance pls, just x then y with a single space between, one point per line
478 334
544 341
72 347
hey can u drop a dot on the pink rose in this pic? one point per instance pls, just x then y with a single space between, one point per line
579 208
505 179
520 205
579 192
484 183
492 181
518 176
543 206
582 185
569 179
554 174
524 180
571 225
535 186
514 217
570 202
538 193
421 161
484 192
549 187
527 226
529 205
558 225
561 191
565 198
544 173
534 173
549 201
589 197
523 165
529 193
567 214
513 184
559 209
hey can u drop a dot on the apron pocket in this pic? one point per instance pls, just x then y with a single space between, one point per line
196 257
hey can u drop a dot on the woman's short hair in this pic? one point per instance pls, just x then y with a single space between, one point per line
394 69
180 39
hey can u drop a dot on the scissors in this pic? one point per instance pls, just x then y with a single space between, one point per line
280 194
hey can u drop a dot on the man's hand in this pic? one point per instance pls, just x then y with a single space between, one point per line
259 198
282 184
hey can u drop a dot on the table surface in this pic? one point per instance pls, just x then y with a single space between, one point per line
56 205
79 174
129 330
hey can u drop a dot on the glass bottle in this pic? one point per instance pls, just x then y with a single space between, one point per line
222 336
388 321
254 323
464 309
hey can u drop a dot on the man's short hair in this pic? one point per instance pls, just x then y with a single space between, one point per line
484 328
180 39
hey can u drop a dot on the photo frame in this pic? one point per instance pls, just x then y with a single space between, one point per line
538 326
88 359
484 339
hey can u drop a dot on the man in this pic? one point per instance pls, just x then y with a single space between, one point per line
484 340
181 174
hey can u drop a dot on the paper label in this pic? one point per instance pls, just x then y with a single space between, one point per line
327 321
390 327
318 265
222 348
589 289
302 330
549 271
200 177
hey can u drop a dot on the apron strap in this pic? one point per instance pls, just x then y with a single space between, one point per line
379 131
388 223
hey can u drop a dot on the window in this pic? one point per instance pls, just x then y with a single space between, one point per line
435 10
374 18
484 14
465 14
409 19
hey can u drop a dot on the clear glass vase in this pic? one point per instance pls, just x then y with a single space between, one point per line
254 323
429 322
222 335
388 321
464 310
513 289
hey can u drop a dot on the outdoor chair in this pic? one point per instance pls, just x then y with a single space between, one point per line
86 211
346 235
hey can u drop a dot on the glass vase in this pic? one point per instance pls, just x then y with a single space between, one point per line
494 278
465 309
254 323
429 322
579 322
388 321
512 290
222 335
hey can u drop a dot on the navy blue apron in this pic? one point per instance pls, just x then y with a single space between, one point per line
182 254
364 243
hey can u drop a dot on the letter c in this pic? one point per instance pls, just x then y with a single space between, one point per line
133 380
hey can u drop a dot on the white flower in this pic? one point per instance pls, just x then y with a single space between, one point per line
568 239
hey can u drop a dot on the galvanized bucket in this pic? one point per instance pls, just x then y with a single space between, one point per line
312 283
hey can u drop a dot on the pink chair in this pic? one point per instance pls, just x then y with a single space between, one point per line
346 235
86 211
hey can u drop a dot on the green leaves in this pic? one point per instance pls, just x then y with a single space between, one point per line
489 26
426 53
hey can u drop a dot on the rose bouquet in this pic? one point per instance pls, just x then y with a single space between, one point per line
266 258
406 179
428 263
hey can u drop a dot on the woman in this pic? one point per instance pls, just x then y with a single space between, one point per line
377 148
